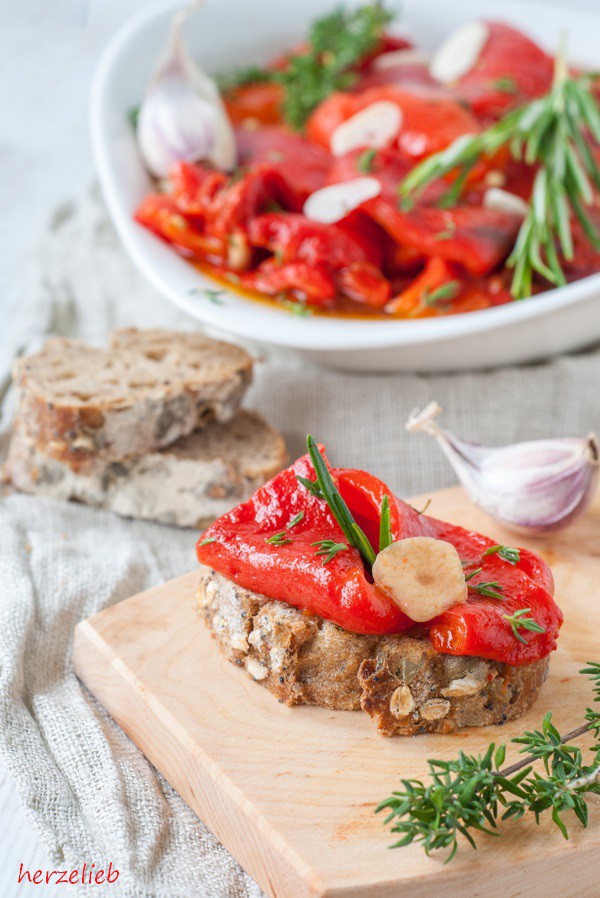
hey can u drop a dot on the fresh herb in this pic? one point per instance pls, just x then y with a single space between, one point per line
518 621
552 134
133 115
505 85
447 234
337 506
490 589
329 548
364 163
209 539
424 509
295 520
278 539
443 293
336 44
470 794
251 74
300 309
472 573
513 556
385 529
213 296
311 485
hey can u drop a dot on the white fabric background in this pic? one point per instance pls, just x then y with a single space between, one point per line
48 53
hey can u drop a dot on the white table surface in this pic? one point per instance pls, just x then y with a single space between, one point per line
48 51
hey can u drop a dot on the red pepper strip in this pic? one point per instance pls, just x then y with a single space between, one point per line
161 214
193 187
430 119
294 237
303 164
237 204
364 282
478 238
338 591
479 627
312 282
509 60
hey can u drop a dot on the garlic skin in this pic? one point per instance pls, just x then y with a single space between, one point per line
182 117
536 486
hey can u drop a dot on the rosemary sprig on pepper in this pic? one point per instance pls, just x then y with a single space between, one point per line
329 548
470 794
551 133
519 621
325 488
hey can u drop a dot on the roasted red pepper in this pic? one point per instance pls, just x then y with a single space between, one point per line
269 544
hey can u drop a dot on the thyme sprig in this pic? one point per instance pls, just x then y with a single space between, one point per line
325 488
329 548
519 621
336 44
507 553
553 134
470 794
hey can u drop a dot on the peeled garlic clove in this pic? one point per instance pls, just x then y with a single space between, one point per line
374 126
503 201
537 486
182 116
409 56
423 576
331 204
459 53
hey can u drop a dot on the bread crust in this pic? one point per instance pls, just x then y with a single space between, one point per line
188 484
400 680
79 403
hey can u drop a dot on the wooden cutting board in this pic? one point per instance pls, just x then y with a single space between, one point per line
290 791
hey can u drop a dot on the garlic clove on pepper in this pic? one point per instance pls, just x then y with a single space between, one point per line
422 575
538 486
182 116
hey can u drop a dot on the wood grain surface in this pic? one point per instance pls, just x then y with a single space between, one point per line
291 791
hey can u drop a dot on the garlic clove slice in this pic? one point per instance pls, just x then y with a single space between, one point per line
423 576
459 53
331 204
503 201
409 56
182 116
374 126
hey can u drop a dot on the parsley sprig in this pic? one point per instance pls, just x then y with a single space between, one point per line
336 44
553 134
470 794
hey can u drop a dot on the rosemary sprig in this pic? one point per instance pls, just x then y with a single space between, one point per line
518 621
491 589
513 556
385 528
468 795
551 133
278 539
330 493
330 548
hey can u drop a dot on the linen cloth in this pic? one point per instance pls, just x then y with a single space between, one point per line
88 791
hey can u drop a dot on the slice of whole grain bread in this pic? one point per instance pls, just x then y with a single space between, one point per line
150 388
401 681
189 484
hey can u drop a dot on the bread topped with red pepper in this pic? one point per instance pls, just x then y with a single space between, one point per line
308 585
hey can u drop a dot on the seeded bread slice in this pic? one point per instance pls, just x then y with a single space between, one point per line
79 403
401 681
189 484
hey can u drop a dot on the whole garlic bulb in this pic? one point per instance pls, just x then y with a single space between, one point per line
182 116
